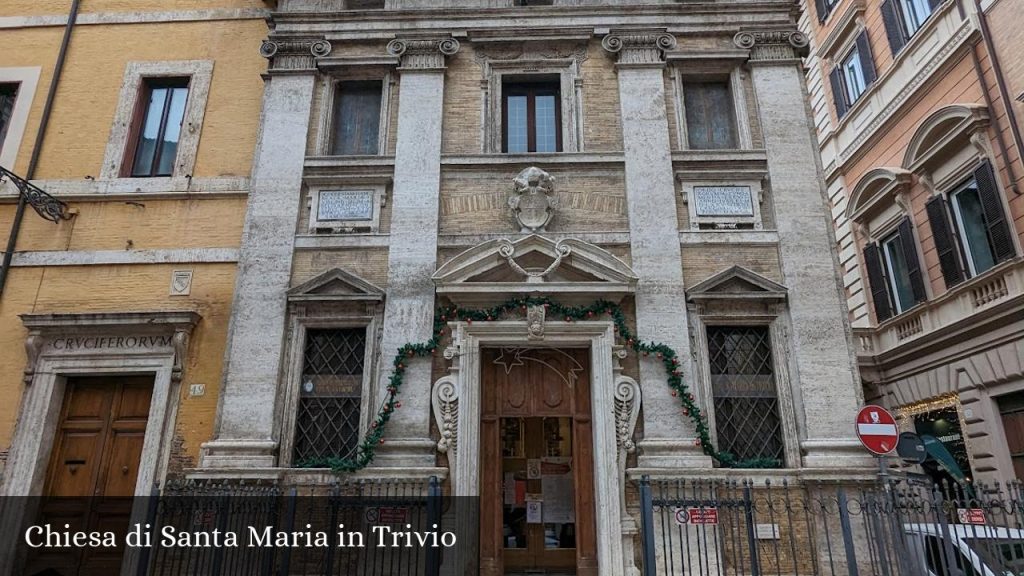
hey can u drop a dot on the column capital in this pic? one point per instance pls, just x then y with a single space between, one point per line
294 54
772 45
639 49
423 53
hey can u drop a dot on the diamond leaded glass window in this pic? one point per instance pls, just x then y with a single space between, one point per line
743 385
327 423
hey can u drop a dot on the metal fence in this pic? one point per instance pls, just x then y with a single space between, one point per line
891 528
271 511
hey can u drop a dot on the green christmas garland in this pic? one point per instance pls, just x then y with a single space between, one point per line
367 448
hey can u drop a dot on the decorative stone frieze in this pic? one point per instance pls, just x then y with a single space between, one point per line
423 53
639 49
294 54
771 45
533 201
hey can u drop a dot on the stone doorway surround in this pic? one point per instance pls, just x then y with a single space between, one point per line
572 271
63 345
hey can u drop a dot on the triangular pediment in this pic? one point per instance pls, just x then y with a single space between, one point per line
534 265
336 284
737 282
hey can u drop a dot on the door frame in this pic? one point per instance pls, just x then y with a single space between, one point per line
599 337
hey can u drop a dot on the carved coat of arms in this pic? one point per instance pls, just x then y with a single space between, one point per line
533 201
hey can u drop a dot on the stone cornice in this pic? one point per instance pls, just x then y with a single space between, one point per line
639 49
772 45
294 55
423 53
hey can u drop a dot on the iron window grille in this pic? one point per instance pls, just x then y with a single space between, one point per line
327 423
746 404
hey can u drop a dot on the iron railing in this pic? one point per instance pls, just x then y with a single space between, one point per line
894 528
349 508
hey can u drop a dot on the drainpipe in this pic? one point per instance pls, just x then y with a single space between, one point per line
997 69
19 213
1000 141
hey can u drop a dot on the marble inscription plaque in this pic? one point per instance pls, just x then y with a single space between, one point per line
345 205
723 201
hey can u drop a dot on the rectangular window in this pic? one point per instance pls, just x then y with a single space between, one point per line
743 385
853 74
1011 409
710 122
969 218
897 273
531 116
8 93
158 127
330 392
915 12
357 118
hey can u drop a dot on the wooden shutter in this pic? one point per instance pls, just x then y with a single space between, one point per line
838 93
945 244
992 208
867 63
822 10
876 282
893 28
906 231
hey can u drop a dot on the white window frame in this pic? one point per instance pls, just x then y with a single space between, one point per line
27 79
741 117
200 74
890 272
961 234
853 76
300 327
911 18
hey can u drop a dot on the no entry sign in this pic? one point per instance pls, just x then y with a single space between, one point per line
877 430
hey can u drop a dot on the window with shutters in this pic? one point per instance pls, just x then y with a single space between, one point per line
894 272
853 75
969 227
710 118
747 421
357 118
825 8
903 18
330 394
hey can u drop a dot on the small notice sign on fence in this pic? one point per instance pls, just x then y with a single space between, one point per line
971 515
696 516
387 515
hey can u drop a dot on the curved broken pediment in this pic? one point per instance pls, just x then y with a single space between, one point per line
876 187
534 265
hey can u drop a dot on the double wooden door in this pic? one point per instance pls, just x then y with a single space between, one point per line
93 467
536 472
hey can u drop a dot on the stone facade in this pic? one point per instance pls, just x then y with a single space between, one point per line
892 154
457 227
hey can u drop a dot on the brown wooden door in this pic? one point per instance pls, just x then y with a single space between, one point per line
94 466
1011 408
536 446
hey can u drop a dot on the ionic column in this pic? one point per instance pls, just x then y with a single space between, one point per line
654 244
244 436
412 257
824 369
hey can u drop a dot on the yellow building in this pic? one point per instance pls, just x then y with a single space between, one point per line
149 116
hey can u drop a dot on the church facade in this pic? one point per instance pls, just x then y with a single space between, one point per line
483 238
